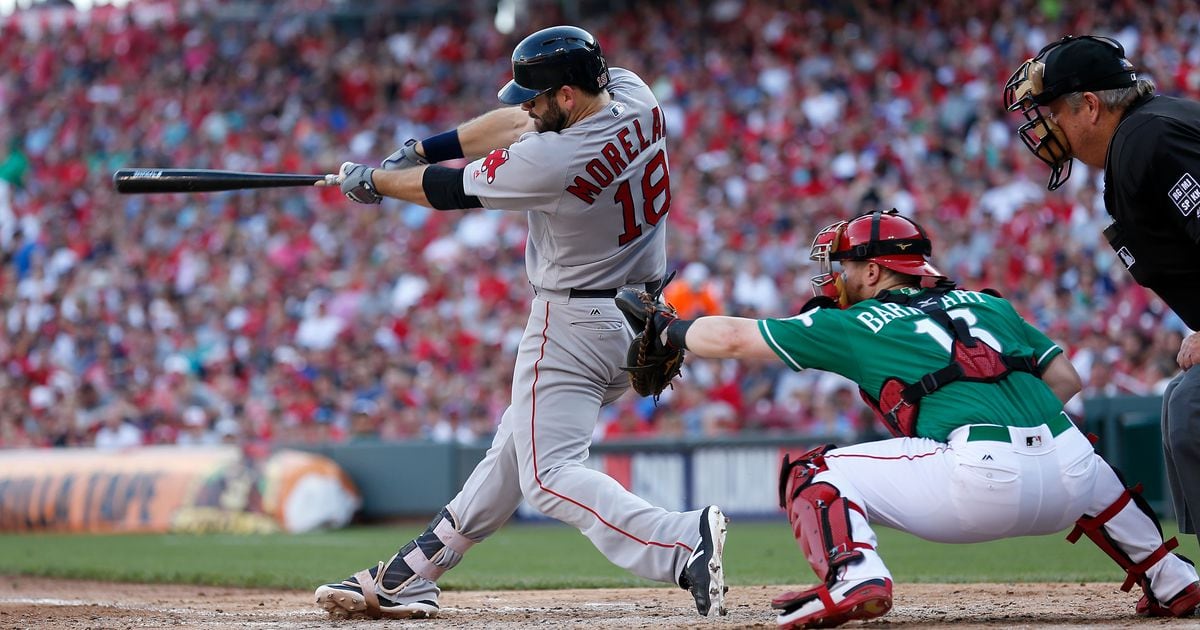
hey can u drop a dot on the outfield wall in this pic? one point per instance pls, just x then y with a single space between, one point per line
164 488
739 473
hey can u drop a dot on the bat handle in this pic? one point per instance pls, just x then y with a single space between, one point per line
330 180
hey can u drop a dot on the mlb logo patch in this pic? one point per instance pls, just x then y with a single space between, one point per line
1186 194
1126 257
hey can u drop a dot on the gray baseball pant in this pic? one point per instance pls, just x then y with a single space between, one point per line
1181 446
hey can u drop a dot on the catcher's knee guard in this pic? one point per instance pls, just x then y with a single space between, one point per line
819 515
435 551
1101 530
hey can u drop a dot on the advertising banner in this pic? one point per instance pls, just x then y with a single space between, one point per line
172 489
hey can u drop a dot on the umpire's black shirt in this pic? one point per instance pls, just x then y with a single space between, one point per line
1152 191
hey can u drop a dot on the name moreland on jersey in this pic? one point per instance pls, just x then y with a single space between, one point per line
605 172
597 193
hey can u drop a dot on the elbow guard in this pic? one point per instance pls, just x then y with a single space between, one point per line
444 189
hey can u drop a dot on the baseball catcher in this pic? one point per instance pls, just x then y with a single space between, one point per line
973 395
654 358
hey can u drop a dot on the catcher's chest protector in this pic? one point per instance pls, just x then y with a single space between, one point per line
970 360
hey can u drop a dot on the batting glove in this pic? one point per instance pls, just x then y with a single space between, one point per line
357 183
404 157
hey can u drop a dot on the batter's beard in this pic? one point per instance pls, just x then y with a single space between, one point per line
555 119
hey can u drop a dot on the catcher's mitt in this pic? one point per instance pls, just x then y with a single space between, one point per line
650 361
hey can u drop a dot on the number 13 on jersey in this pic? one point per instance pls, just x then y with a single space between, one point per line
927 326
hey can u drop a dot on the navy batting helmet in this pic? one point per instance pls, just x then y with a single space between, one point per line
553 57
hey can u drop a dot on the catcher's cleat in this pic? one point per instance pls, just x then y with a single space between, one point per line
1183 604
704 575
348 600
826 607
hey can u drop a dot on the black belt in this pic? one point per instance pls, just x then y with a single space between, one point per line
651 288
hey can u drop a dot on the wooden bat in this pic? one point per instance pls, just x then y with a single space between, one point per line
172 180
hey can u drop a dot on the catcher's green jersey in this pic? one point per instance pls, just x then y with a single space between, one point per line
873 341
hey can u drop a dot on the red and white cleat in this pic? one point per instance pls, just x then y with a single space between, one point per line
822 607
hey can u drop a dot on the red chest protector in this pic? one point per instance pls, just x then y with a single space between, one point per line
970 360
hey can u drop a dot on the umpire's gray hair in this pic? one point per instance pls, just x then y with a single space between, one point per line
1117 99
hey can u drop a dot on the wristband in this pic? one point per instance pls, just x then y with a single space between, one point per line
444 146
677 333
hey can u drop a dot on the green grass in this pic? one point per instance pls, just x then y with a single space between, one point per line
524 557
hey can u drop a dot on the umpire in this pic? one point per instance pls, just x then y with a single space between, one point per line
1082 99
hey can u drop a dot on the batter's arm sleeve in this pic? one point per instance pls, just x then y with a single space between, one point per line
444 189
719 337
497 128
1061 376
432 186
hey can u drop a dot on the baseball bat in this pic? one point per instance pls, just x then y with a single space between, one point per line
173 180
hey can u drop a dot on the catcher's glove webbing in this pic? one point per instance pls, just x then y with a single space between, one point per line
651 360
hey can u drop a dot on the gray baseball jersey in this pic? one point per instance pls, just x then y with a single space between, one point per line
597 196
596 193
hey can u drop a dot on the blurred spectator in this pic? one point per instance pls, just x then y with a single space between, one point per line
274 311
117 431
364 421
693 295
196 430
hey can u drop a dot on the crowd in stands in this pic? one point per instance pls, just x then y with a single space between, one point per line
298 316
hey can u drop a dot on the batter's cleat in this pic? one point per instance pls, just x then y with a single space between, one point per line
704 575
348 600
1183 604
823 607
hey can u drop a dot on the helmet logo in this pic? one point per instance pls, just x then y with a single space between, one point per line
903 246
492 163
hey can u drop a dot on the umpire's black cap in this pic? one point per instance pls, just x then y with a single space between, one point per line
1086 63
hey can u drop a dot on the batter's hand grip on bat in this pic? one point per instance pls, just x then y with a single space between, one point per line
173 180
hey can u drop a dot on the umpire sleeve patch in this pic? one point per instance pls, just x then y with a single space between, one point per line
1186 194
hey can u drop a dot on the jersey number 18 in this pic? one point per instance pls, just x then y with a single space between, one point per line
654 185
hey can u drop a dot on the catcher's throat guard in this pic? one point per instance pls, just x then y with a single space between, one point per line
1041 135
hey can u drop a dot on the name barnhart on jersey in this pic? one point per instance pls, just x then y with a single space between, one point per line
876 317
615 157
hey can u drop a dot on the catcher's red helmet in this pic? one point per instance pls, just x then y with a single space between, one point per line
885 238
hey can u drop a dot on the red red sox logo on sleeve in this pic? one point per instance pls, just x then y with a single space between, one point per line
493 162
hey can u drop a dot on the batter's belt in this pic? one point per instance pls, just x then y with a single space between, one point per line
651 288
999 433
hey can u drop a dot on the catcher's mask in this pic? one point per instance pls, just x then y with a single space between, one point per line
884 238
1084 63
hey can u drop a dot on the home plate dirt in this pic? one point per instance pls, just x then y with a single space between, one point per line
53 604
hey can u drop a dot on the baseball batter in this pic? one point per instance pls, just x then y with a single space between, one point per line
585 156
973 395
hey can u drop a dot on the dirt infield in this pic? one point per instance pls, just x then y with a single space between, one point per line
55 604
